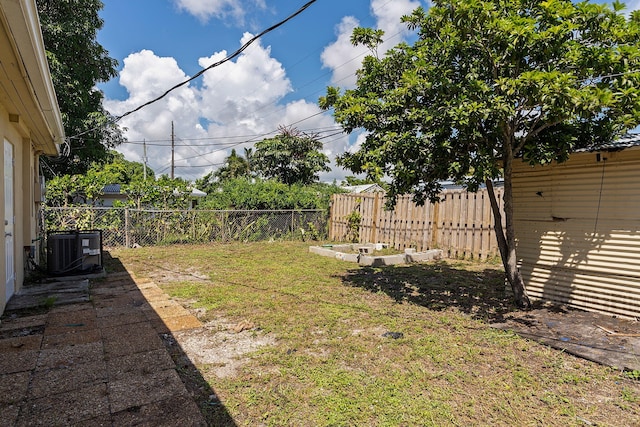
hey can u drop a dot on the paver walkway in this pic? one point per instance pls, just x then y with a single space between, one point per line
100 362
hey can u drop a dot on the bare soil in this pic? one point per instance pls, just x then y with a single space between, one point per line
221 344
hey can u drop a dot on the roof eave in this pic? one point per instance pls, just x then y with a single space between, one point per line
20 18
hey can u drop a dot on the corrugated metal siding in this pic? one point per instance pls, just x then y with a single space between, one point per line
578 230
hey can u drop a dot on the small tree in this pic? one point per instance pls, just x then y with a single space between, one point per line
89 187
292 157
235 167
487 83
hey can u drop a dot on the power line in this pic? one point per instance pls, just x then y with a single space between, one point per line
212 164
216 64
201 72
226 59
213 138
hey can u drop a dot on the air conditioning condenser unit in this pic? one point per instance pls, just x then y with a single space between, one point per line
74 252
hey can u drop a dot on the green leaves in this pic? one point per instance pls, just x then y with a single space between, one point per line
368 37
489 80
292 157
70 31
235 166
256 194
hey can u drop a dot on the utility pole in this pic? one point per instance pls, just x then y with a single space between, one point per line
173 145
144 159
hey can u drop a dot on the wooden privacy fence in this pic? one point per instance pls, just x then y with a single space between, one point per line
461 224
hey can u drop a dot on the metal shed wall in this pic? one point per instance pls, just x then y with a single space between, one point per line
578 231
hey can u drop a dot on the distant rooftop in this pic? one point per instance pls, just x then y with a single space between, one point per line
111 189
627 141
365 188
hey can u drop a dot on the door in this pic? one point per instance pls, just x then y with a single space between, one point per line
9 221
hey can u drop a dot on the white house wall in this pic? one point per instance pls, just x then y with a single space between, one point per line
578 231
9 133
29 119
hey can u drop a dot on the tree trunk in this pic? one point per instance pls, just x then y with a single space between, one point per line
506 239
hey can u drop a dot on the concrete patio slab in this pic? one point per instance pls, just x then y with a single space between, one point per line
18 362
130 339
13 387
67 378
66 408
179 323
125 317
12 325
94 361
70 338
138 364
182 410
138 390
50 293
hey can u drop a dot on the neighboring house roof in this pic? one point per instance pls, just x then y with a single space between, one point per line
366 188
627 141
112 189
28 95
197 193
116 189
450 185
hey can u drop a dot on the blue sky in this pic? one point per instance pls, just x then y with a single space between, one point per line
275 82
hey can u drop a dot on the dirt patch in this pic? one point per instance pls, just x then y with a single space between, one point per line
221 345
168 275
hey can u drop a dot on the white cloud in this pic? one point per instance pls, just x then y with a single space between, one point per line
221 9
232 106
344 59
205 9
388 14
245 87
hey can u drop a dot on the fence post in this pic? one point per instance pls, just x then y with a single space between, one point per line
127 237
330 219
434 225
374 219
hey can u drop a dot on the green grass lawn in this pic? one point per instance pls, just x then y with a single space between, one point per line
333 362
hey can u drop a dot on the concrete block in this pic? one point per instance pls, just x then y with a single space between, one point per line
347 257
343 248
429 255
322 251
379 261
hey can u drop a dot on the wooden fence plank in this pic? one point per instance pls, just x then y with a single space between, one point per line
461 224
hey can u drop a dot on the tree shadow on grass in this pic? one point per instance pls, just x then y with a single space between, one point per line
480 293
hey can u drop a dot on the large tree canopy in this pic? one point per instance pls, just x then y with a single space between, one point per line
487 82
77 63
291 157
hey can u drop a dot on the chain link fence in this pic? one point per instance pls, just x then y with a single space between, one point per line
141 227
